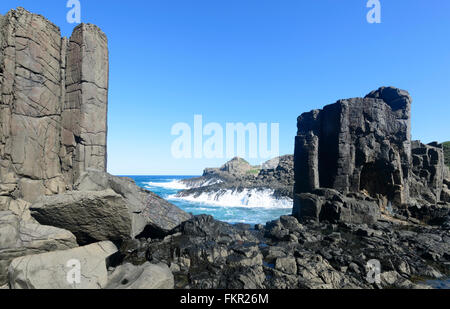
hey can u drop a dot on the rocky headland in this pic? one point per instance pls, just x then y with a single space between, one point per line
273 179
362 190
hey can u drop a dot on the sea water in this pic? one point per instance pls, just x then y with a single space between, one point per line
249 206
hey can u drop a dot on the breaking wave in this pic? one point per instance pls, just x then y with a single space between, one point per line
183 184
174 184
246 198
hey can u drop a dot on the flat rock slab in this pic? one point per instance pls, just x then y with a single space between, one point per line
58 270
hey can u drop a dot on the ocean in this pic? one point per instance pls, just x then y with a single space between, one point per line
248 207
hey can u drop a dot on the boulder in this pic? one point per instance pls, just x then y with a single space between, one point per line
107 207
145 277
332 206
91 216
59 269
19 238
148 210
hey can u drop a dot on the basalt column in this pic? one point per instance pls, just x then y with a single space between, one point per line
84 115
359 145
53 106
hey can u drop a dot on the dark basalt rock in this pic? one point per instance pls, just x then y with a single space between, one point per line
359 152
332 206
205 253
237 175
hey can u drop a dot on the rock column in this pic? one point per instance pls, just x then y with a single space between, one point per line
53 105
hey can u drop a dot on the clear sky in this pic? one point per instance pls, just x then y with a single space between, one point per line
255 61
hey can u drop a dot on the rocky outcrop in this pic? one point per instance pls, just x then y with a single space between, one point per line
236 176
362 148
20 237
286 254
106 207
236 166
53 131
91 216
53 105
147 209
52 270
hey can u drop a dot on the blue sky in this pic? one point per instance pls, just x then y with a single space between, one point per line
255 61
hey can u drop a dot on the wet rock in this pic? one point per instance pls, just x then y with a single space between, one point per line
91 216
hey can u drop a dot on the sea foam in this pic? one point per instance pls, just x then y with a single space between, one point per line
174 184
232 198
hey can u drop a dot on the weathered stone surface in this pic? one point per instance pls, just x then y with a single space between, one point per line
332 206
285 254
428 173
84 124
147 210
53 105
53 127
51 270
90 216
144 277
362 148
106 207
19 237
357 144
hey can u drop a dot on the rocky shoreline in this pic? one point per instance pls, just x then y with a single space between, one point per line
362 191
285 254
275 176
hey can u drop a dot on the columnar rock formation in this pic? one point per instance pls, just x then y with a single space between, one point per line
53 105
55 193
363 146
428 173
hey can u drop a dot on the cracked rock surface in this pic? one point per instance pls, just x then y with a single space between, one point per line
50 270
53 105
26 237
53 131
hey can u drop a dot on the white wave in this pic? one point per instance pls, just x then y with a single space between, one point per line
174 184
245 198
199 183
182 184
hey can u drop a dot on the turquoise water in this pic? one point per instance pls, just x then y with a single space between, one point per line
167 187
